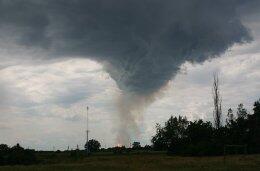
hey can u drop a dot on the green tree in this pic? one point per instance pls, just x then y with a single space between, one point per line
93 145
159 141
241 111
256 109
254 129
136 145
230 117
4 150
199 131
171 134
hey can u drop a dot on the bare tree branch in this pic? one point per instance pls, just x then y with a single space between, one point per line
217 101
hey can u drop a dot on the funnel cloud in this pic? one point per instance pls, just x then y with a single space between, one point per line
141 43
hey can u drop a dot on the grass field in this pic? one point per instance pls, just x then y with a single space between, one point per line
149 162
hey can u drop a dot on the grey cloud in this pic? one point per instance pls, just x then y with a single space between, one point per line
141 43
25 18
2 95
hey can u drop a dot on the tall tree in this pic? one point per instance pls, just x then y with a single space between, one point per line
217 112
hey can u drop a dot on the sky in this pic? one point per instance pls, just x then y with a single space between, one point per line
132 72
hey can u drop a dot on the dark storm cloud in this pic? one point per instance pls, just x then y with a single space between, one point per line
141 43
25 18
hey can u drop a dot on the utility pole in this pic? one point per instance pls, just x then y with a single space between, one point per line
87 147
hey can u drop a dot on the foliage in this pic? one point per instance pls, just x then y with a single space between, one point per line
136 145
119 150
230 118
180 136
171 134
16 155
93 145
241 111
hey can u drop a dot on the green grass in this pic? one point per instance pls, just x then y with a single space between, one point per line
149 162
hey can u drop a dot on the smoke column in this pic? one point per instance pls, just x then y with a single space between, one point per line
141 43
130 108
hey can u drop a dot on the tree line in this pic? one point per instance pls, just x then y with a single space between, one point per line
16 155
239 134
